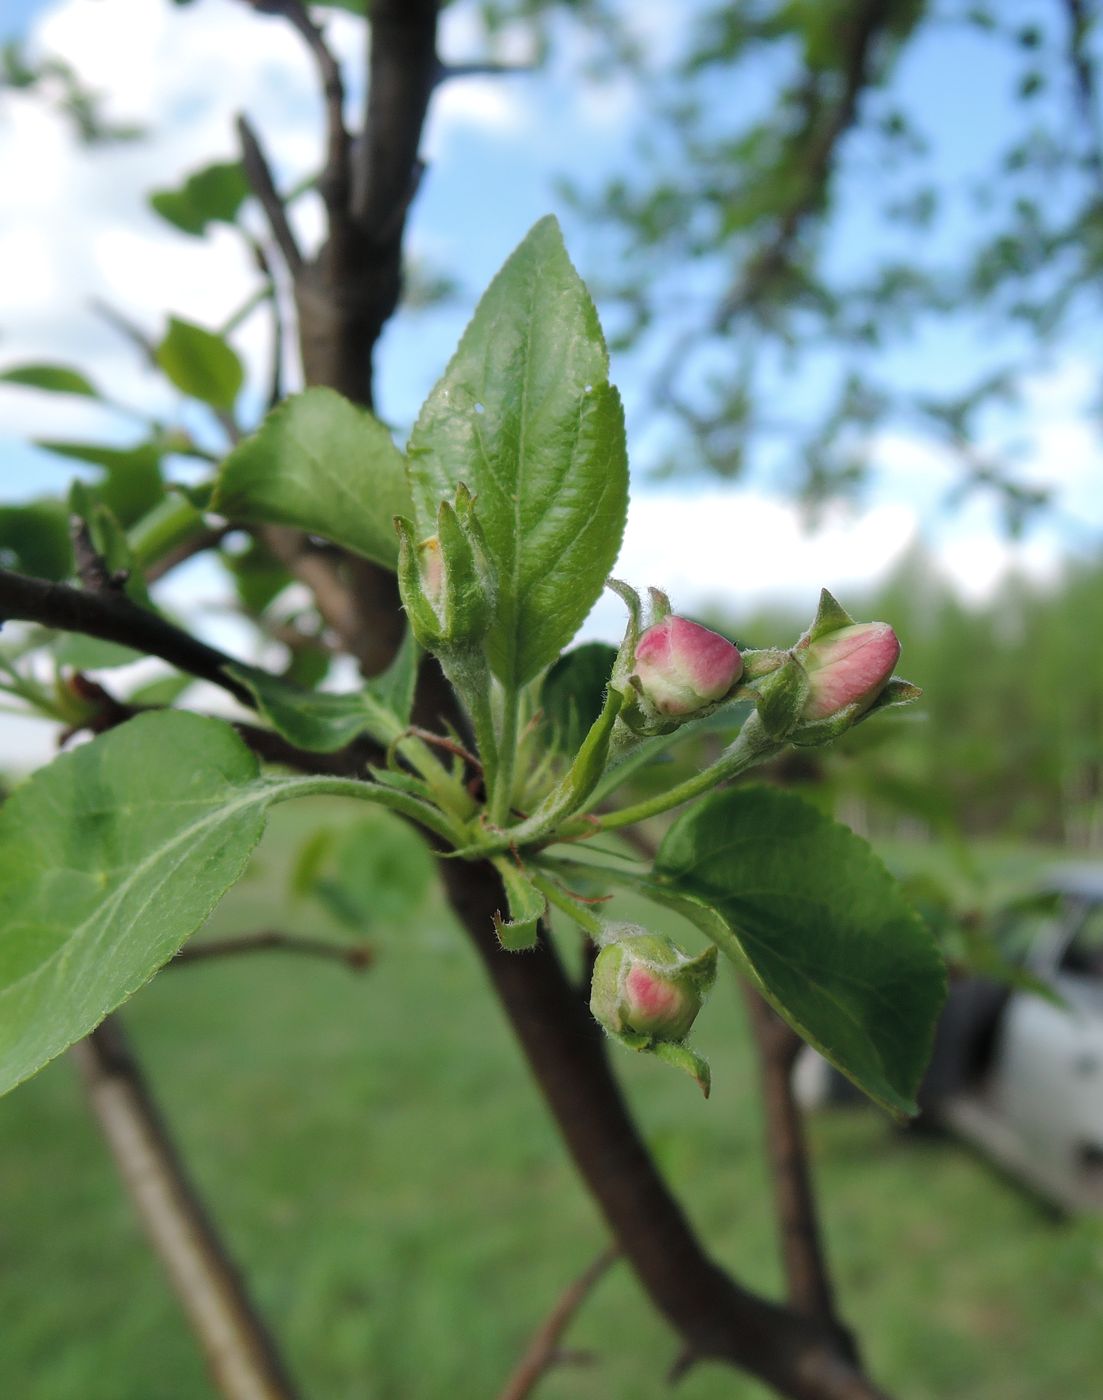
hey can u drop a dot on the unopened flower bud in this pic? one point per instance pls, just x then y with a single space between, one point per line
645 986
446 581
848 667
681 667
432 571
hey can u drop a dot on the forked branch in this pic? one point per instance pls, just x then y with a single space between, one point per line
543 1352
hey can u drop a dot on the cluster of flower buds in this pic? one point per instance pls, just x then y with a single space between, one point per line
447 582
647 992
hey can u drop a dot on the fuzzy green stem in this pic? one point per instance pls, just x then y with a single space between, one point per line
283 789
246 309
469 677
586 921
501 792
482 719
751 746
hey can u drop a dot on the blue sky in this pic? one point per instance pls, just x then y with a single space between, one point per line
495 148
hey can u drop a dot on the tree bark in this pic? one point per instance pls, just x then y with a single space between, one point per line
239 1351
807 1280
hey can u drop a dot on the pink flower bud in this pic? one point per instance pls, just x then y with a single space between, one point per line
645 986
682 667
849 666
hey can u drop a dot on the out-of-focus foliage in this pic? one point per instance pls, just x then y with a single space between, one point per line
61 86
786 220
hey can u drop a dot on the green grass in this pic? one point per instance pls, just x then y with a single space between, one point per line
379 1160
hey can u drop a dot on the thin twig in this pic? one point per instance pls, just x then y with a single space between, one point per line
275 373
1081 20
128 329
259 175
441 741
808 1283
240 1352
543 1351
866 22
334 183
199 543
356 956
488 68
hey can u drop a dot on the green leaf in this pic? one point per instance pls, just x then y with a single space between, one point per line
34 539
525 416
830 617
805 907
91 653
171 521
685 1059
527 906
132 483
109 858
323 464
573 692
201 364
55 379
165 690
258 575
109 540
211 195
323 721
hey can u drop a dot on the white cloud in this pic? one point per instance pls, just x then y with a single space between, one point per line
736 549
491 104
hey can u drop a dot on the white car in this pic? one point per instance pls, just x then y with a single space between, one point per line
1017 1073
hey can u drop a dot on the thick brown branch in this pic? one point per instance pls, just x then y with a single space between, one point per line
356 956
715 1317
114 618
542 1352
403 72
807 1280
345 298
239 1351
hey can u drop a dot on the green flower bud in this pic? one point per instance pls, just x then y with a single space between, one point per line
447 582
